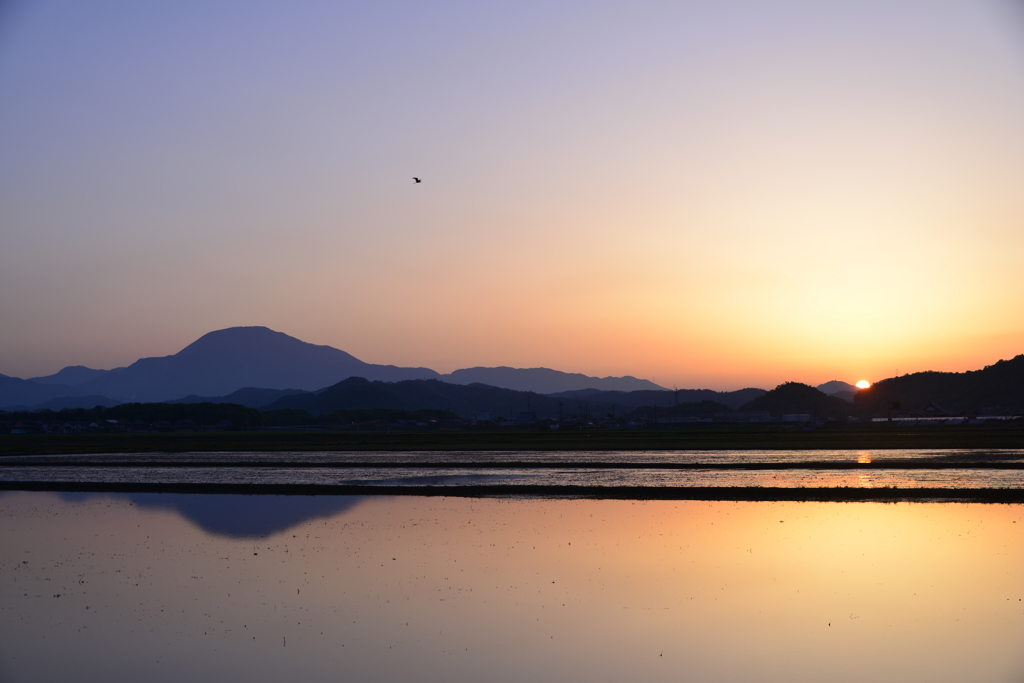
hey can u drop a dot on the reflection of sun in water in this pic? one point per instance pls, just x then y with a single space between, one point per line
864 480
863 384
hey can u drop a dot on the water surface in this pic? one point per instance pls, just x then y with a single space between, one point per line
949 469
168 587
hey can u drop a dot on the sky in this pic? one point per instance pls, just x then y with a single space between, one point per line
707 195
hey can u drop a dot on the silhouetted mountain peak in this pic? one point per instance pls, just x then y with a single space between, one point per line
224 361
255 342
836 387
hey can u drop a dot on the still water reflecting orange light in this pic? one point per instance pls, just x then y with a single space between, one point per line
548 590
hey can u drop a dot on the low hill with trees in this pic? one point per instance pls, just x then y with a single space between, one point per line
468 401
801 399
998 387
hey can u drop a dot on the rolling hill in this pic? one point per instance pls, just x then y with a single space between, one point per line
997 387
797 398
470 400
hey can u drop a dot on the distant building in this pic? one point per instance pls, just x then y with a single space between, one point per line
933 410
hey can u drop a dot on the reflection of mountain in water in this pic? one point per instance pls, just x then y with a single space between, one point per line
239 516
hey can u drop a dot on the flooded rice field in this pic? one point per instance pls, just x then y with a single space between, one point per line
951 469
170 587
145 581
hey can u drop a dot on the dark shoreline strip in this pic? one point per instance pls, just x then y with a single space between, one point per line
917 464
708 493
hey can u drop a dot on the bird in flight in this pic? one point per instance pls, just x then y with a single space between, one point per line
417 180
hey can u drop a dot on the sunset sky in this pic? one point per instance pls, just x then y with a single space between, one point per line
705 194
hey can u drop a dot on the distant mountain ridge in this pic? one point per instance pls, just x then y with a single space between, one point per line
225 361
71 376
257 366
23 393
545 380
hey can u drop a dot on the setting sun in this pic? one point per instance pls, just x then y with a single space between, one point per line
863 384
